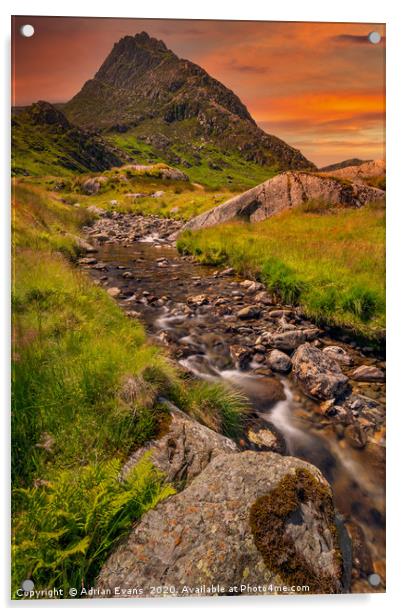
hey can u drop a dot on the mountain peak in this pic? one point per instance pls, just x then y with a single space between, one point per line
140 40
145 88
131 57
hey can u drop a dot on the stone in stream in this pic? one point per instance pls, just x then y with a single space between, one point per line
114 291
249 312
279 361
277 313
368 374
82 244
265 439
87 261
339 354
248 518
284 341
263 298
356 436
229 271
198 300
241 356
251 286
319 375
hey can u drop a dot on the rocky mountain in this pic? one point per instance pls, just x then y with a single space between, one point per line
285 191
45 142
344 163
174 110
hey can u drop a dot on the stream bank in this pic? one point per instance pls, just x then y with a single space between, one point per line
220 327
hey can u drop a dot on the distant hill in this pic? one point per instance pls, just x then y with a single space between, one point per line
159 106
44 142
372 173
351 162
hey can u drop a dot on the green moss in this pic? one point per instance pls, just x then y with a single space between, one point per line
268 518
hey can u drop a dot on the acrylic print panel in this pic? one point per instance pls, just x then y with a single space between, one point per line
198 308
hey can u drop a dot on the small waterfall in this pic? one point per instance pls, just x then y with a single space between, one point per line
282 418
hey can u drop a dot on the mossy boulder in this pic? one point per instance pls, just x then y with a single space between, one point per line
212 535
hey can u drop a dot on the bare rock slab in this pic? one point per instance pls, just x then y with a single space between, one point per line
284 191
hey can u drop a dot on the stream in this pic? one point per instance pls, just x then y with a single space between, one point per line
192 309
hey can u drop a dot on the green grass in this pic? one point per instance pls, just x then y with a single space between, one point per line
86 389
180 200
43 143
215 405
331 262
204 163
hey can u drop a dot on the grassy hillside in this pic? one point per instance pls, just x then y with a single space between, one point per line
45 143
179 199
85 394
204 163
331 262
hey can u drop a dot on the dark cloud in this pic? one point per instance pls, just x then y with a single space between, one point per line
253 69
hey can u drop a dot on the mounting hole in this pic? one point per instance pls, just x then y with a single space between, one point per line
27 30
28 585
374 37
374 579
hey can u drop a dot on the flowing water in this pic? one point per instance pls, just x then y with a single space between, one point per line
200 340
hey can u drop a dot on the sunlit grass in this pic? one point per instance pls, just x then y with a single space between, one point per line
331 262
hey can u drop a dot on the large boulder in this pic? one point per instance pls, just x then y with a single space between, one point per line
285 191
184 450
318 374
249 519
160 170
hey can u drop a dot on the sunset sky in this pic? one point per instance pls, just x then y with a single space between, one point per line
318 86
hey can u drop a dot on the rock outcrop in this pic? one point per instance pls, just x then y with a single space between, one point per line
184 450
350 162
285 191
318 374
215 536
360 173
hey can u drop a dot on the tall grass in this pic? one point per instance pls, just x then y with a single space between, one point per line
217 406
85 389
330 261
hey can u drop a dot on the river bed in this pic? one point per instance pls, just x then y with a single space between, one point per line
155 284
